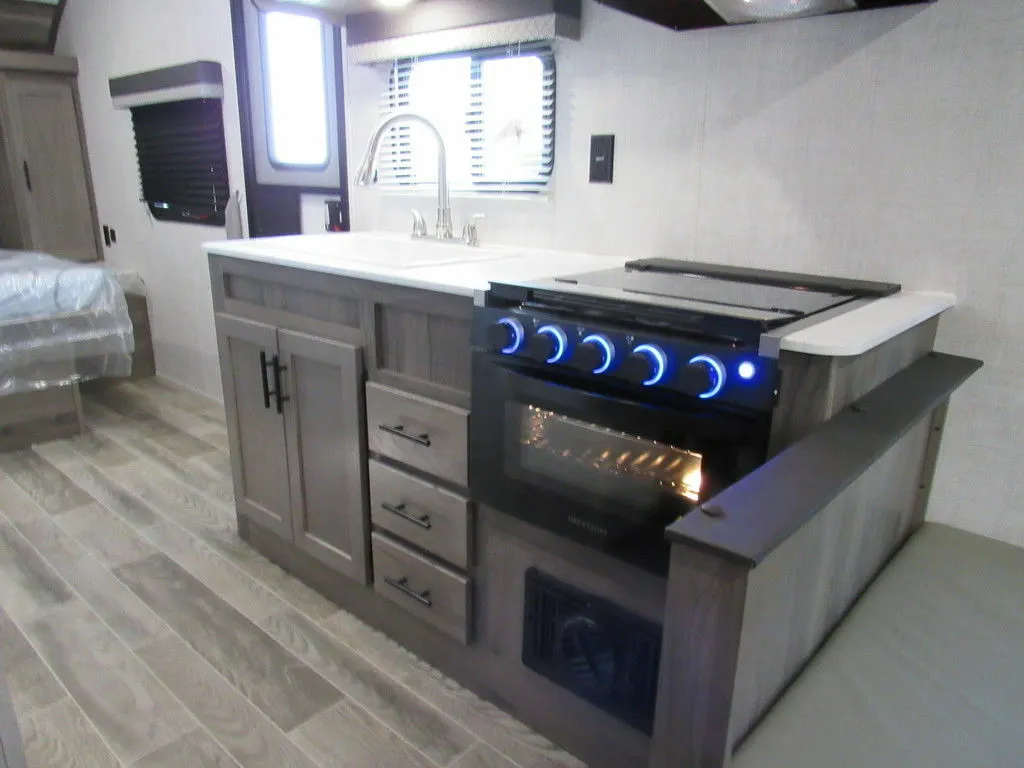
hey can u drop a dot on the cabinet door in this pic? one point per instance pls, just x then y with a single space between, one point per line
50 165
259 460
325 429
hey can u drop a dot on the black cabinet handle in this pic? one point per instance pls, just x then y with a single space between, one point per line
402 585
397 429
423 521
28 177
279 397
264 364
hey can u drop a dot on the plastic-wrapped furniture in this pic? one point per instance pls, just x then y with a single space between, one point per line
60 324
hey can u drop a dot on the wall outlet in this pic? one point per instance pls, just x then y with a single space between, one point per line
602 158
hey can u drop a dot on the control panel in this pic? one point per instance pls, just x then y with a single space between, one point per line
709 372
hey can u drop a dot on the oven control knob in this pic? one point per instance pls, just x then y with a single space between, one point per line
703 376
548 345
647 365
506 336
594 354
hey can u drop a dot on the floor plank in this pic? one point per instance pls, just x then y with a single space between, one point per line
346 736
251 738
49 488
483 756
245 594
218 463
107 410
103 534
28 585
101 450
101 488
182 398
194 750
500 730
61 737
423 726
130 709
284 688
15 504
31 684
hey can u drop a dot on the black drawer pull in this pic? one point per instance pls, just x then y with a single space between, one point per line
279 396
402 585
423 521
397 429
264 364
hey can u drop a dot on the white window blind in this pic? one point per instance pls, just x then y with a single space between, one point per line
495 109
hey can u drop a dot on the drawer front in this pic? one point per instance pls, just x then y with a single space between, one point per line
425 589
430 517
422 433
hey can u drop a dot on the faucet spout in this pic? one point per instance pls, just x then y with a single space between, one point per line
364 176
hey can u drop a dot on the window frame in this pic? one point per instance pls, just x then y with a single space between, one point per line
268 172
390 103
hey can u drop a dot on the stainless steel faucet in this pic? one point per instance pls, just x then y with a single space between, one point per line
365 175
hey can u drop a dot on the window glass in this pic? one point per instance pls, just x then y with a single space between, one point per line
296 90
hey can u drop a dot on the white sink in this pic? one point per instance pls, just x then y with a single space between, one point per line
391 250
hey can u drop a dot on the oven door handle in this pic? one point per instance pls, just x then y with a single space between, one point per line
582 389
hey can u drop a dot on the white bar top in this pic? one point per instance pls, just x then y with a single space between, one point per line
396 259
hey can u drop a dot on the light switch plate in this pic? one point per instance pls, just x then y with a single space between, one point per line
602 158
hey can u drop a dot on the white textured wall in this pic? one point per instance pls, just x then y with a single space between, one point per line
118 37
886 145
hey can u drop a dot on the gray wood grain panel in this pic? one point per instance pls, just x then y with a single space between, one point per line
245 732
101 488
191 472
106 408
288 691
60 736
417 721
305 303
486 721
812 579
700 646
346 736
28 585
440 521
258 448
325 432
441 447
103 534
242 591
129 708
30 683
172 404
483 756
43 483
425 589
174 500
101 450
194 750
136 405
218 464
15 504
182 399
12 752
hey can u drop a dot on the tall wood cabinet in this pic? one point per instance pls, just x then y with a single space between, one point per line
296 417
46 192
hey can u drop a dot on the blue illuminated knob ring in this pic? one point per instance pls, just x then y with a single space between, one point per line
605 345
561 342
518 335
717 371
659 362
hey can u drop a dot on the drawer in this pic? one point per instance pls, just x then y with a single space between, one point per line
430 591
422 433
430 517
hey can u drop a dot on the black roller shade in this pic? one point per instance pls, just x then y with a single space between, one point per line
182 158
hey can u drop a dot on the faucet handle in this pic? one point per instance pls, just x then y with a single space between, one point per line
470 233
419 226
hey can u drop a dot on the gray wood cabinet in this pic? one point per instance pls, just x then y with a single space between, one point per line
45 187
296 426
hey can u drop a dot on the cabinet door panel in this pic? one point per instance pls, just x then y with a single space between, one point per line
50 165
259 461
325 430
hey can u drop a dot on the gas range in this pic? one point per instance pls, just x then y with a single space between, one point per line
607 404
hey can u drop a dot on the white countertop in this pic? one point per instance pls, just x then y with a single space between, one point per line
395 259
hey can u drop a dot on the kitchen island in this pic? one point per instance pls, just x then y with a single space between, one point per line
346 364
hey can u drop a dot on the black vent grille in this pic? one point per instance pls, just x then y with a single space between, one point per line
593 648
182 158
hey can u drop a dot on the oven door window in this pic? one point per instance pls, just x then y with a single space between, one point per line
577 457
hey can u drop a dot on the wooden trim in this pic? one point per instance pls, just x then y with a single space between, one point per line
931 459
699 653
58 16
761 511
38 62
80 118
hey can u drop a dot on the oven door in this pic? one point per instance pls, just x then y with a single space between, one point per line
596 466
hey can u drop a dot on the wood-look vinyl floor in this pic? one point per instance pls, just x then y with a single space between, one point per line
138 631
